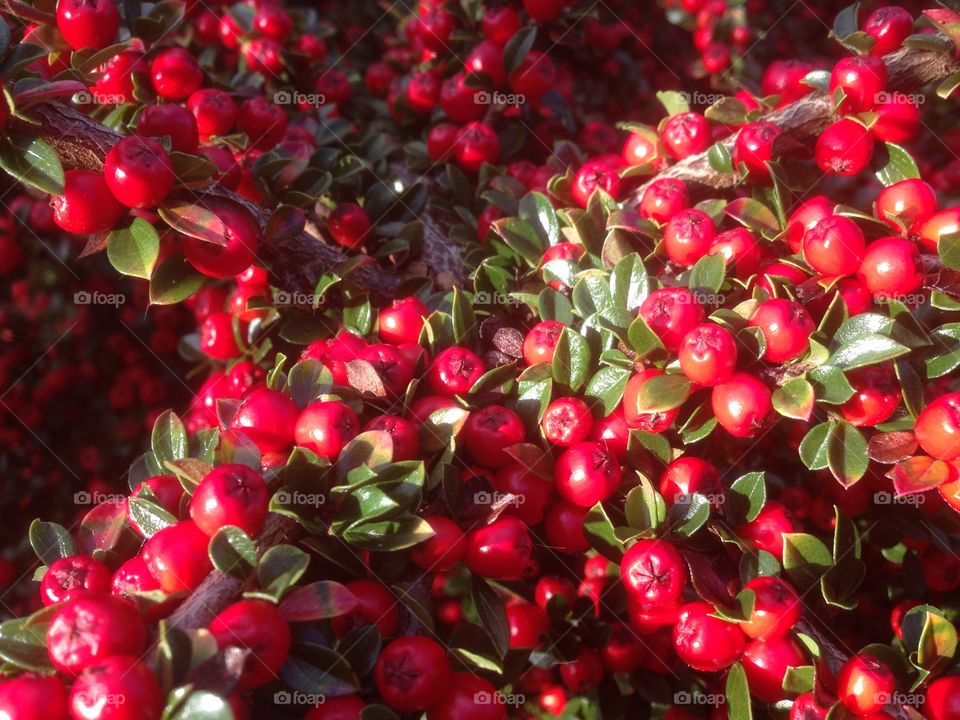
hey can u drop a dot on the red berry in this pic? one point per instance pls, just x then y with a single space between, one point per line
263 122
754 147
687 475
805 217
89 629
500 551
563 525
663 199
402 321
654 422
175 121
584 673
349 225
891 267
376 606
566 421
861 78
835 246
444 549
946 222
468 697
242 236
544 10
864 684
326 427
938 427
654 573
586 473
688 235
177 557
489 431
765 662
943 699
258 626
889 26
500 23
175 73
528 624
115 84
230 494
906 204
273 21
844 148
533 491
88 23
217 337
550 587
476 144
786 326
708 354
806 707
441 140
406 441
86 205
412 673
705 642
540 342
624 651
740 250
119 687
73 577
783 78
33 697
214 111
594 175
458 100
454 371
776 608
138 172
898 118
486 58
742 405
671 313
268 417
766 530
686 133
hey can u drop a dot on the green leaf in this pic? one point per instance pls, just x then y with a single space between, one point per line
173 280
373 448
50 541
571 359
645 508
134 250
517 48
663 392
830 384
554 305
738 694
438 431
629 283
538 212
753 215
746 497
673 102
492 613
169 438
805 558
464 321
719 157
642 339
799 680
521 238
900 166
23 641
794 399
867 350
32 162
317 601
605 388
929 637
847 453
841 581
199 705
688 514
232 552
861 325
708 273
150 517
398 533
846 21
280 568
318 671
602 534
308 380
948 247
195 221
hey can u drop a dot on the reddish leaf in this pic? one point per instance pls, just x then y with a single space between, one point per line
918 474
362 376
194 220
318 601
891 447
102 526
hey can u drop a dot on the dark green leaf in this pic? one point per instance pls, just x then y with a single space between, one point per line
232 552
50 541
746 497
32 161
